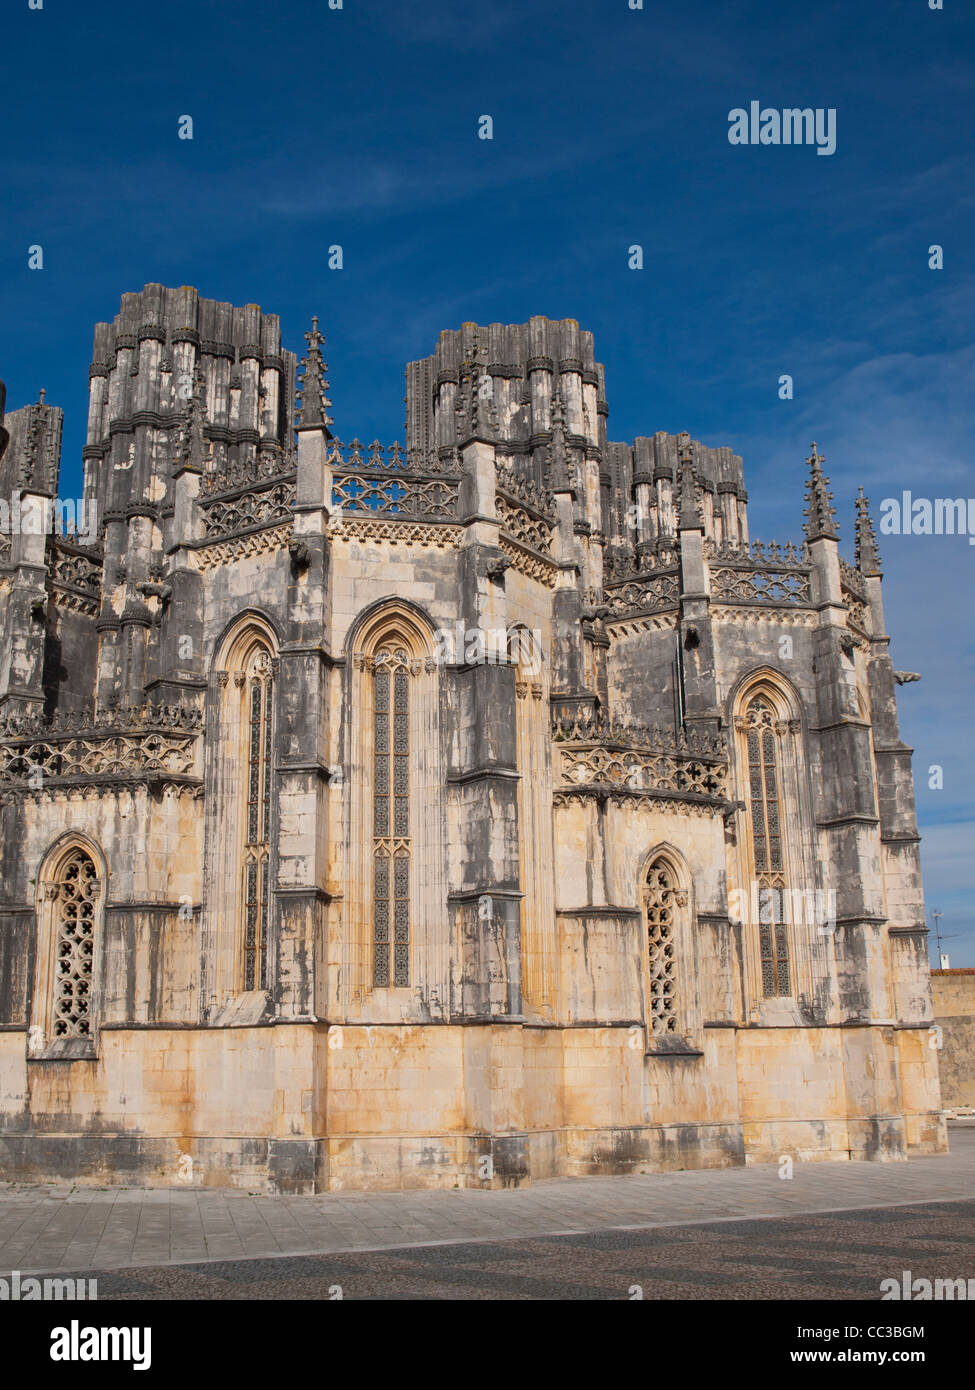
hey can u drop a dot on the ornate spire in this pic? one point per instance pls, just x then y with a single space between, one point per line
560 468
192 448
690 511
820 516
865 547
314 387
557 453
475 412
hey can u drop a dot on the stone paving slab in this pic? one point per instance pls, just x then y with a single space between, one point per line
48 1228
839 1256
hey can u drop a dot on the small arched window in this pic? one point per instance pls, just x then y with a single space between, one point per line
663 897
768 858
70 910
75 892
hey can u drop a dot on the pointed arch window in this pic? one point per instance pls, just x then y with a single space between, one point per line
64 1000
768 858
396 895
662 899
392 841
258 682
75 892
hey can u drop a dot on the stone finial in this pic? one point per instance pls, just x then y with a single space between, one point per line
690 507
314 387
865 552
820 515
37 445
691 511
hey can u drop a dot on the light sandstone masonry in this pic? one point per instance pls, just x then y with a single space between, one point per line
953 993
190 720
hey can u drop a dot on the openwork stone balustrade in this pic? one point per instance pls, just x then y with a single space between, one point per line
132 745
599 755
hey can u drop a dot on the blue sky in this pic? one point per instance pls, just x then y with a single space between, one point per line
357 127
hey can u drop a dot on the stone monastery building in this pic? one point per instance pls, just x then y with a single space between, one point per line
454 813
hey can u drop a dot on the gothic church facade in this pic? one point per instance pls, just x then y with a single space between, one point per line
464 812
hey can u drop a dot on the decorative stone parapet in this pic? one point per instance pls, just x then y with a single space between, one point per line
598 754
149 744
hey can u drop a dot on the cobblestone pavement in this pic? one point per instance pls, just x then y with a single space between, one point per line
49 1228
839 1256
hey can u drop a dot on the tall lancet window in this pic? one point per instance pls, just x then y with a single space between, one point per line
258 725
392 843
399 927
241 815
768 858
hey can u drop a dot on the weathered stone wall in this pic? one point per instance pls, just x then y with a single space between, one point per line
528 1036
388 1106
953 999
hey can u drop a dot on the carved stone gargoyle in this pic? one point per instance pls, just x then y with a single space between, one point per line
160 591
299 552
497 566
905 677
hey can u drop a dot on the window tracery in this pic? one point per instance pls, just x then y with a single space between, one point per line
663 897
392 842
768 858
75 891
258 685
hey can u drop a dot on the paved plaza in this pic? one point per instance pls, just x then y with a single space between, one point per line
837 1256
51 1228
